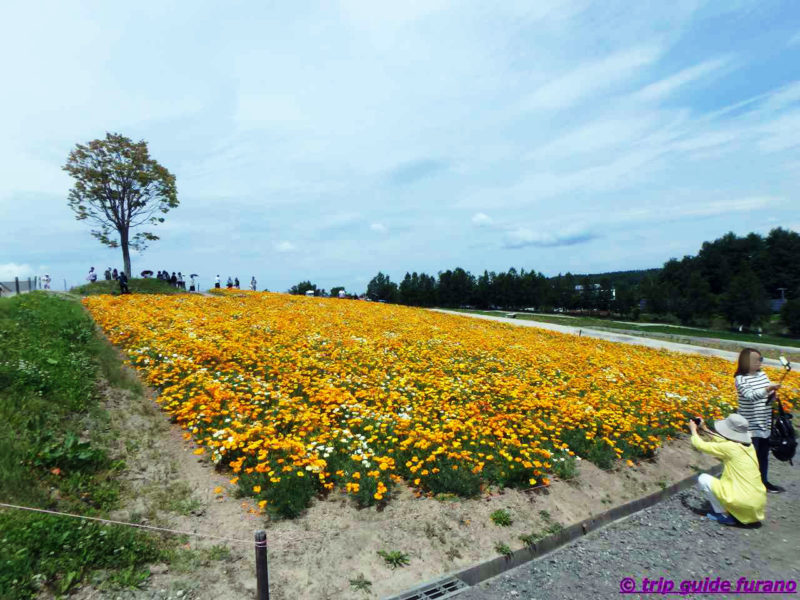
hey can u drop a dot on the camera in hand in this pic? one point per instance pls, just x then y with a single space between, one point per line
696 420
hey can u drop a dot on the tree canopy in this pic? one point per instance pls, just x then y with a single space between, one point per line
734 277
119 187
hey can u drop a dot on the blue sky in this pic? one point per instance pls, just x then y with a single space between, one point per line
327 141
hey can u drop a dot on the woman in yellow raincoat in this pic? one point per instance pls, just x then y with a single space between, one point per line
738 495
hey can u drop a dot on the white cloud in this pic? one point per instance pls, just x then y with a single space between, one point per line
378 227
794 40
665 87
782 98
10 270
590 78
481 219
284 246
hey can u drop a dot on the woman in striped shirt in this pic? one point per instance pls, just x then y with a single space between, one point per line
756 394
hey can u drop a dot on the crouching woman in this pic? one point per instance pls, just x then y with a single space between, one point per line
738 495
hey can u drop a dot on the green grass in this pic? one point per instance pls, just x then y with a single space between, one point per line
51 457
136 286
664 330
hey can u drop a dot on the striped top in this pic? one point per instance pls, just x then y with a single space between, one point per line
753 403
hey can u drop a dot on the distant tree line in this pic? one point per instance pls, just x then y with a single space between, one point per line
735 278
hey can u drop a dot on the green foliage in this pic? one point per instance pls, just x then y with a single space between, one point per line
304 286
745 301
551 528
135 285
790 315
361 584
448 480
68 453
503 549
381 287
692 290
501 517
62 551
119 187
594 450
565 467
395 558
49 360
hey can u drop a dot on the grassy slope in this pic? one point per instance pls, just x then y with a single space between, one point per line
52 453
671 330
136 286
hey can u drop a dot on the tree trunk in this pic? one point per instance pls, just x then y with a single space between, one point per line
126 253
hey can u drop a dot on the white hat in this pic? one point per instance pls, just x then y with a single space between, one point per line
735 428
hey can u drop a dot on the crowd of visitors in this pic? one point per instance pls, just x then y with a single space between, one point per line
174 280
233 283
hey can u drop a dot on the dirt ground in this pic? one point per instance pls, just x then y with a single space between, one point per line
317 555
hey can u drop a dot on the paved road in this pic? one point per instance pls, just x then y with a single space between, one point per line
615 337
669 540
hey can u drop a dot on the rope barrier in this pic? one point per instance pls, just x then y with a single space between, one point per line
140 526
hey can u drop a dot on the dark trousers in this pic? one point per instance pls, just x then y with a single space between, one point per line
761 446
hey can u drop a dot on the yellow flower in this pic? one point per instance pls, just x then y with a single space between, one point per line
217 490
257 489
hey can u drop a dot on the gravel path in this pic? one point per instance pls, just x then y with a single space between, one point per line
669 540
617 337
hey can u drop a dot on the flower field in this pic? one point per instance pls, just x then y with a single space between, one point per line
300 396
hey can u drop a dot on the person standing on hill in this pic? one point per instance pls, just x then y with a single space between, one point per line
92 276
253 283
216 282
123 283
236 283
756 395
114 274
107 274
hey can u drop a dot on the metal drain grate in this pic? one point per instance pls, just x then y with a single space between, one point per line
446 588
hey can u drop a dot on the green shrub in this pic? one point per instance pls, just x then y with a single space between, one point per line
501 517
394 559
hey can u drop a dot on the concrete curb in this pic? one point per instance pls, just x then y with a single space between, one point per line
491 568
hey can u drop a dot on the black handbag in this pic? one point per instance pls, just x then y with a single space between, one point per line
782 437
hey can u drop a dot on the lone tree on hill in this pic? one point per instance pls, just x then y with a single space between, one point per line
119 187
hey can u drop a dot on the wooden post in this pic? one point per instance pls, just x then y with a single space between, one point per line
16 284
30 289
262 572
